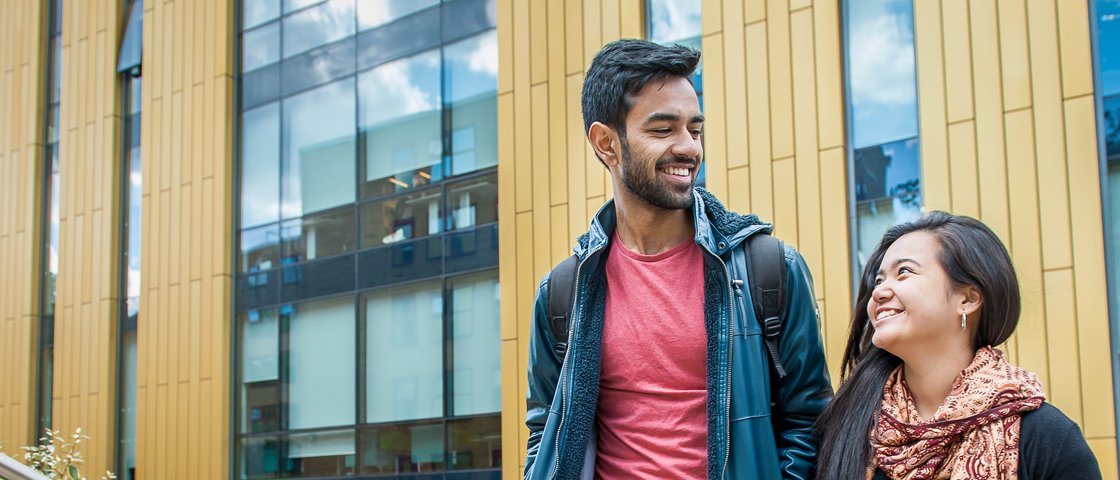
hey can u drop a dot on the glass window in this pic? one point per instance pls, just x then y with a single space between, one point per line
400 120
320 235
128 406
260 457
321 364
1108 63
260 47
260 370
318 25
260 248
883 120
671 21
472 86
375 13
321 454
292 5
881 74
404 353
472 202
260 156
318 168
401 217
474 443
403 448
256 12
475 340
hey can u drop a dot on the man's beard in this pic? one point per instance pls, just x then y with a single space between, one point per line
648 185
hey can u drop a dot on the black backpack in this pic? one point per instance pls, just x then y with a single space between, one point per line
766 266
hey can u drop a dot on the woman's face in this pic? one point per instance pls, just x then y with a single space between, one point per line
915 308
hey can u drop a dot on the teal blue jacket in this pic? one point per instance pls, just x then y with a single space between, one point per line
750 435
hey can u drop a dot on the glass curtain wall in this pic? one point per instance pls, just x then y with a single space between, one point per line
367 318
882 119
677 22
1107 24
49 233
129 66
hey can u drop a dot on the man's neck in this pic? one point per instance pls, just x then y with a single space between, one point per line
648 229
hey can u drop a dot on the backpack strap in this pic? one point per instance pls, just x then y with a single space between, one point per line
560 292
766 266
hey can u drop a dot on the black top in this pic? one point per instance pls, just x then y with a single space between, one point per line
1051 447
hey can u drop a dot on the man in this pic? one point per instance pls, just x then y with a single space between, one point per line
666 373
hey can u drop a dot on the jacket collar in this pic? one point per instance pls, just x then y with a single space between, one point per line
717 228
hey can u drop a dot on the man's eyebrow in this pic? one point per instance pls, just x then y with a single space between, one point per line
661 117
671 117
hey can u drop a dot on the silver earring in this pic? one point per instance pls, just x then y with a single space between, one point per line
964 319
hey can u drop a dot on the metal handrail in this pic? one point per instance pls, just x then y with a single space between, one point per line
13 470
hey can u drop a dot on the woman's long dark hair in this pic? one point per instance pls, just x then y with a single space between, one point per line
971 255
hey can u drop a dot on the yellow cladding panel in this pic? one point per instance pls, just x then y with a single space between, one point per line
87 295
931 106
785 201
757 101
781 95
734 104
1076 54
538 40
1014 54
1061 339
715 116
807 169
1049 141
1026 245
962 163
834 282
992 163
1090 288
830 103
958 60
22 99
187 150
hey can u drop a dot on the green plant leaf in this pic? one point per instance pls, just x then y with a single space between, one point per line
73 471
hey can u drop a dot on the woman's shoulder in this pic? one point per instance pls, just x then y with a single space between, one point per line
1051 444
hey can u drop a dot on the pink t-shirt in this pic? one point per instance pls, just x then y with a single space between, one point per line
652 414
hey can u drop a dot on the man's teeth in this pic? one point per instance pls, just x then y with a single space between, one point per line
887 313
682 172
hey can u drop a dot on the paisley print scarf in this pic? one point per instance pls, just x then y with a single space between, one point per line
973 435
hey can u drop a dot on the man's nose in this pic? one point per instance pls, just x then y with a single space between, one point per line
687 146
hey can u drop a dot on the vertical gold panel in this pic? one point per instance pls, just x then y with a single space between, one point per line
23 97
511 397
1090 288
808 179
538 40
1026 248
738 191
992 163
785 201
758 120
577 162
715 115
962 162
830 92
1014 54
1061 338
958 60
1049 142
781 96
931 106
835 281
1105 451
187 150
1076 52
89 217
736 92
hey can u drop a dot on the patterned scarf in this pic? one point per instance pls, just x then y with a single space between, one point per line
974 433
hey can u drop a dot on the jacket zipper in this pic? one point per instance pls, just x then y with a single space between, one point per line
730 344
563 380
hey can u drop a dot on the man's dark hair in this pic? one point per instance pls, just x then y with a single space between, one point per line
624 67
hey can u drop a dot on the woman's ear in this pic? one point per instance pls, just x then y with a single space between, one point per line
604 140
971 299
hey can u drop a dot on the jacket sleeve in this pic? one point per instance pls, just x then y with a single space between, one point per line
544 370
806 389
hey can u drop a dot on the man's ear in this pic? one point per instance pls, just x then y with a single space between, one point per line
605 141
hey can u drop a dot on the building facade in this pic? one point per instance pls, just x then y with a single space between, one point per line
302 238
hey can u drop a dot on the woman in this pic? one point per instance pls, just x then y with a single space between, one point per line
928 396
